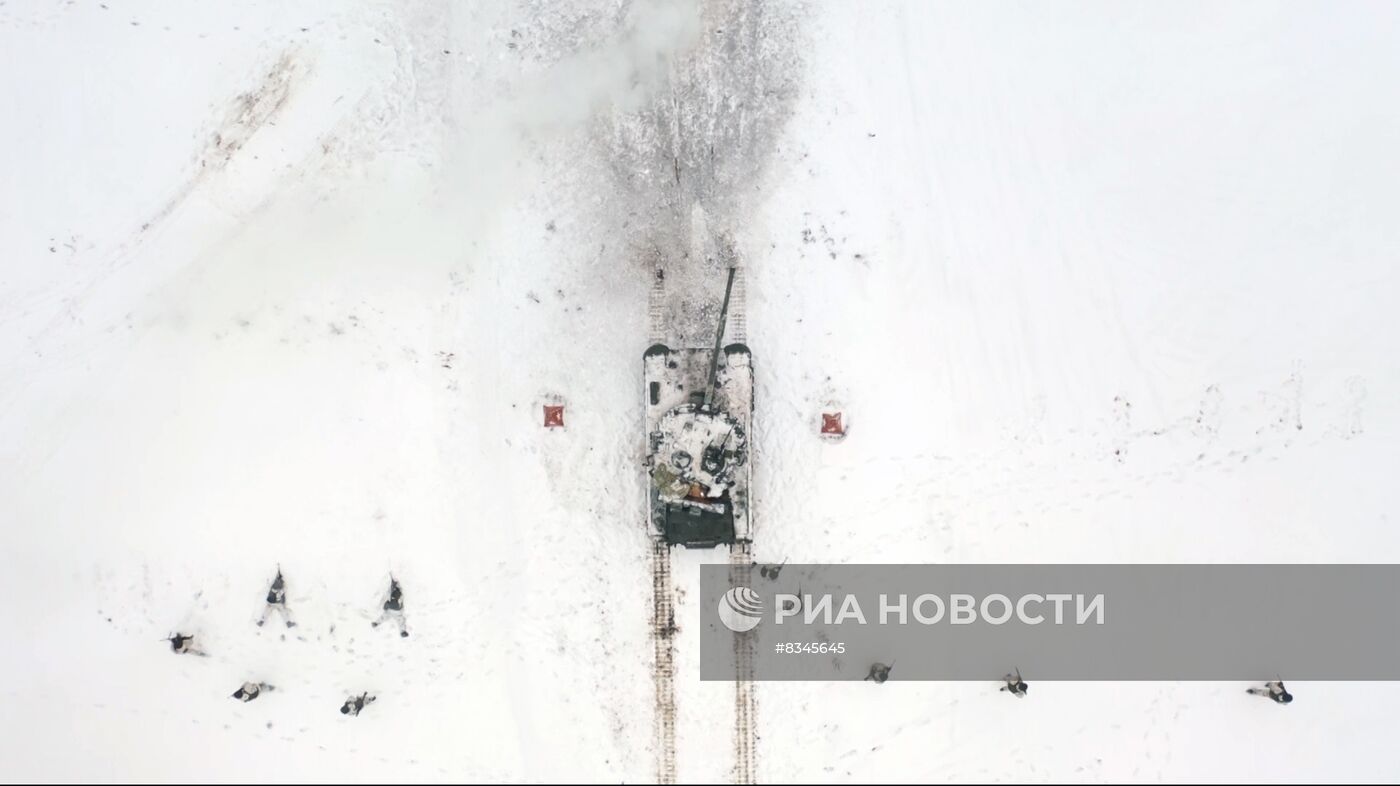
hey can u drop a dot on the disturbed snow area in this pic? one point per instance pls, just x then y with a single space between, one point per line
1107 283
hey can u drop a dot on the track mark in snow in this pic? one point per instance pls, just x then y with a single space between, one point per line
249 112
738 318
1286 406
656 312
1356 398
244 117
1207 422
745 727
663 631
1122 427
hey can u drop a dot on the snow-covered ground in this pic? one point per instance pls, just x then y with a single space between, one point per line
288 283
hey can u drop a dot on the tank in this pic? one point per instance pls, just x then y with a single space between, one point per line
699 408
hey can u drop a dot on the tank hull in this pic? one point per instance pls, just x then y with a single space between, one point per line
698 453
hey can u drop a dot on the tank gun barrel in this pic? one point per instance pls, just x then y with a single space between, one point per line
719 340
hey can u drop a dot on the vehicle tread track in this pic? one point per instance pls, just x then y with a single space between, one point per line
745 703
663 631
738 327
656 319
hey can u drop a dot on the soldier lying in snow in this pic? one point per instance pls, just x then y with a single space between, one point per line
1015 685
354 704
250 691
277 601
393 607
182 644
1273 690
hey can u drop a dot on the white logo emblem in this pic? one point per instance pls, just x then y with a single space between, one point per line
741 609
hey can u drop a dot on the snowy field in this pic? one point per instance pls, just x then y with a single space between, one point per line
287 283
